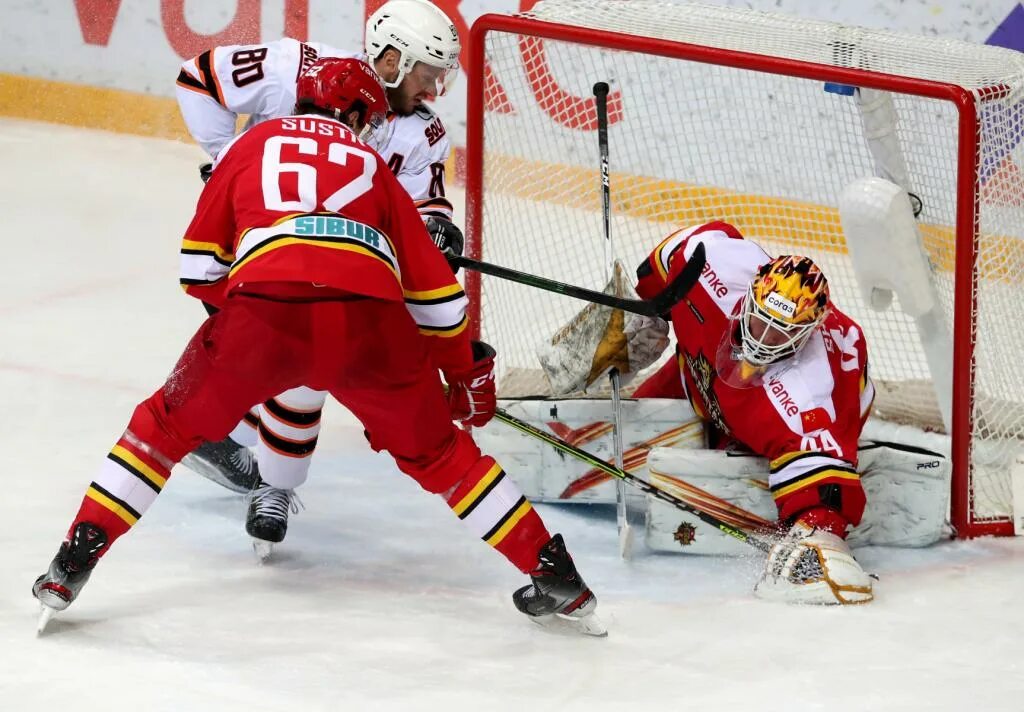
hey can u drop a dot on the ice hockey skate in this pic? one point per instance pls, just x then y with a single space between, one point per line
558 598
267 519
227 463
68 572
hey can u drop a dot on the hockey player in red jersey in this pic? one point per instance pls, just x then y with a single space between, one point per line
774 367
331 280
414 47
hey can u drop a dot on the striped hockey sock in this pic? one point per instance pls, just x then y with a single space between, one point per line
495 509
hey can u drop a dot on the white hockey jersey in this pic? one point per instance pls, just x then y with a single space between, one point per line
259 80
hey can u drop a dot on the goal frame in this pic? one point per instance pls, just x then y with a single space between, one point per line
967 175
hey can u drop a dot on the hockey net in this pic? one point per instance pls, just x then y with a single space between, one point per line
722 113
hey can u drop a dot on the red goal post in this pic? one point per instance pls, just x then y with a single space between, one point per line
754 99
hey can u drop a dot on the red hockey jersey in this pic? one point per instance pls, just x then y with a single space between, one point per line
804 414
302 200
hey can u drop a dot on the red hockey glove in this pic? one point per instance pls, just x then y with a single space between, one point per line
471 396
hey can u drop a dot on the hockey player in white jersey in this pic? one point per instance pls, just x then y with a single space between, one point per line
414 47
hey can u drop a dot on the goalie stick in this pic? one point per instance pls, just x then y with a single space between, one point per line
562 446
657 306
601 90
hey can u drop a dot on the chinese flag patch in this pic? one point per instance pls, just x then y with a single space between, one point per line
814 419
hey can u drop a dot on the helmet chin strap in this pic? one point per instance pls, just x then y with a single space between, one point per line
398 80
402 69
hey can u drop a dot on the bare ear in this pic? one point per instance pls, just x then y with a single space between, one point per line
352 121
386 64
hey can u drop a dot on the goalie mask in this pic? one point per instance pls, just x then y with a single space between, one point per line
784 304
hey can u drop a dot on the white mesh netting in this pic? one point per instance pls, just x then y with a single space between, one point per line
692 142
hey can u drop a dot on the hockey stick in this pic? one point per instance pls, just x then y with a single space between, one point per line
562 446
601 90
657 306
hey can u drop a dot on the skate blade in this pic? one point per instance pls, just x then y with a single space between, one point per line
587 625
263 550
45 614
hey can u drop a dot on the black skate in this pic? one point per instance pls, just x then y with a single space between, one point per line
227 463
69 570
558 596
267 520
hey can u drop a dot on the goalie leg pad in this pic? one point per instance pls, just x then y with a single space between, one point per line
815 567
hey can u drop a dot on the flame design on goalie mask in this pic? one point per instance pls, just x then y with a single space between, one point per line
784 304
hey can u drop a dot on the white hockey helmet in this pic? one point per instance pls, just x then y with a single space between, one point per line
421 32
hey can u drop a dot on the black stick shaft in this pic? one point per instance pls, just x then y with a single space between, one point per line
561 445
635 306
661 303
601 90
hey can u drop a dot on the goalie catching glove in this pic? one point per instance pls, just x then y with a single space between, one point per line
811 565
646 340
471 395
600 338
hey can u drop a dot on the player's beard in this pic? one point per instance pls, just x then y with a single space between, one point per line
401 104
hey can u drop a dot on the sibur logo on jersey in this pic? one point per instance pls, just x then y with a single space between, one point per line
324 226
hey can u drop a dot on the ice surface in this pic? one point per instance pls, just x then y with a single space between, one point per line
378 599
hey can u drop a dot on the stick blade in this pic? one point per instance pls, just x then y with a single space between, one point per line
45 614
683 282
626 538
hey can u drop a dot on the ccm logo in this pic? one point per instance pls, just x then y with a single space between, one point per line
481 381
928 465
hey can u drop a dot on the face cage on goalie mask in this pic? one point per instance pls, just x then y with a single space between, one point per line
788 338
